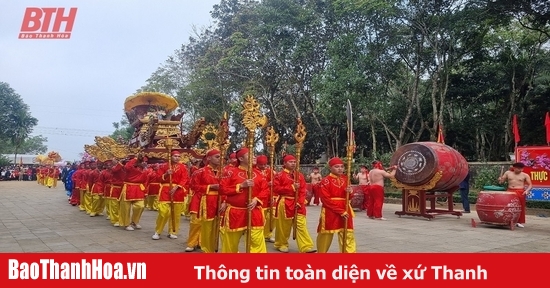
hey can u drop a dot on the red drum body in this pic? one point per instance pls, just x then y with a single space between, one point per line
417 163
498 207
357 197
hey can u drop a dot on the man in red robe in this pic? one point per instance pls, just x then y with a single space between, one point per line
268 173
205 184
118 174
288 184
335 210
174 181
235 185
133 193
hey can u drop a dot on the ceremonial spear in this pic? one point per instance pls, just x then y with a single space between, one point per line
299 136
271 139
168 143
252 119
223 142
350 149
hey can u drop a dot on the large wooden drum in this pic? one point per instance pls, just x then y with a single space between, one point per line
417 163
499 208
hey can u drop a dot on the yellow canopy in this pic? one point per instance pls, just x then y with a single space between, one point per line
169 103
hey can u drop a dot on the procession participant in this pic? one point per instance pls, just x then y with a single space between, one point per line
49 176
39 175
288 206
234 186
68 182
107 177
179 176
97 184
154 188
193 205
55 176
261 165
76 178
133 194
205 185
194 165
376 189
118 174
517 180
315 178
83 185
335 210
364 184
233 160
91 177
70 185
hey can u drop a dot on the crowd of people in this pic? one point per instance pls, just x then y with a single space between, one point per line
216 200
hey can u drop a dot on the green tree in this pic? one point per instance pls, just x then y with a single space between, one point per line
15 118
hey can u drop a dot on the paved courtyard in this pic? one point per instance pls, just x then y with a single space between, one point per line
37 219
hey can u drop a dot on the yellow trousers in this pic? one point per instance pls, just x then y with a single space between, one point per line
54 182
208 236
324 240
49 181
194 238
113 210
283 231
165 217
268 231
231 240
152 202
186 202
135 207
88 202
82 206
98 204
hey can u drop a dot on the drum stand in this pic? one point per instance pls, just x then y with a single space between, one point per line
415 198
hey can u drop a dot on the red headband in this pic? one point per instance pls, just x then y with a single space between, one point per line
261 160
335 161
242 152
175 152
212 152
289 157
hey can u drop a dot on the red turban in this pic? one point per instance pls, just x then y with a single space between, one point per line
261 160
377 165
288 157
212 152
242 152
233 155
175 152
335 161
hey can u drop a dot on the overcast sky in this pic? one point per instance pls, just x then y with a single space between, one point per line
76 87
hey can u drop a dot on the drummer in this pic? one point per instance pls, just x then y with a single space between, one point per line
517 180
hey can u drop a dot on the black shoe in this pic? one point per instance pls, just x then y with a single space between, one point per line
465 211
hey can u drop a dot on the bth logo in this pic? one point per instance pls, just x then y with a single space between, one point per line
45 23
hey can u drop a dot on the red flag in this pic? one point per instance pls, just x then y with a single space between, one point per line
515 128
547 124
440 137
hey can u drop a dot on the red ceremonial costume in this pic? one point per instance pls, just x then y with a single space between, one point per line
236 214
284 186
333 197
117 181
236 198
133 194
519 192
